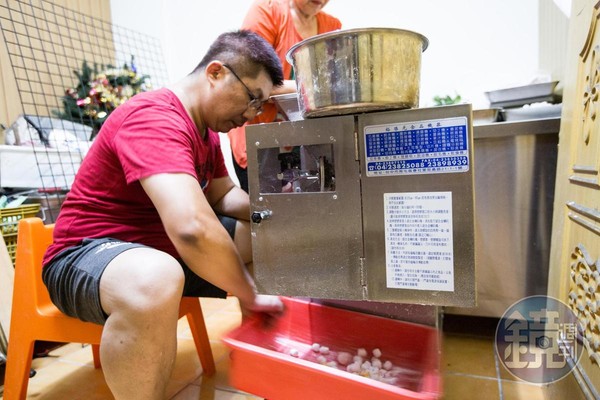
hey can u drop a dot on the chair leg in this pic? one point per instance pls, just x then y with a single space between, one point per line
193 311
96 355
18 367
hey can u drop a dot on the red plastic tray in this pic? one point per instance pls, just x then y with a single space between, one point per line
261 363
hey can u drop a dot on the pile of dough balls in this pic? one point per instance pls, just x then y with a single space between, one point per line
360 363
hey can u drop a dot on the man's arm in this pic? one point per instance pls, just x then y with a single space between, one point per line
200 239
289 86
228 199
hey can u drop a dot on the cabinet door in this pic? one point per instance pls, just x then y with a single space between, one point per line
417 194
305 195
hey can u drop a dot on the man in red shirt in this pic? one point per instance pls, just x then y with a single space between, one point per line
153 216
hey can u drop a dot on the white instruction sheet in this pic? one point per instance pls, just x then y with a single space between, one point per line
418 241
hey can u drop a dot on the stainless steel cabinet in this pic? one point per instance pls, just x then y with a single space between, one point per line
515 169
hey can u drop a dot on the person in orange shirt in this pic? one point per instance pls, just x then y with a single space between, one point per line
283 23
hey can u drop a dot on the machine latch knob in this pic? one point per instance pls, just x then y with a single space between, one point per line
258 216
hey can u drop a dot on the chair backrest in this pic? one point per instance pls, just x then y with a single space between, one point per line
32 241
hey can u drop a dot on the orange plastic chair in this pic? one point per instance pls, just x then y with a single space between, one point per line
34 317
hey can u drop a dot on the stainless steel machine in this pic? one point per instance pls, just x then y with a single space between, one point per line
376 206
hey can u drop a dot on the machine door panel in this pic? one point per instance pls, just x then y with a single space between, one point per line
417 194
304 188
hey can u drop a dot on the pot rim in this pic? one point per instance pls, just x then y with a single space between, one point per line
355 31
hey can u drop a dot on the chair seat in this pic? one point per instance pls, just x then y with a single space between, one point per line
50 311
34 316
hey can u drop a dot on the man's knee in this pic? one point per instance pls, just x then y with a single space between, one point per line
142 279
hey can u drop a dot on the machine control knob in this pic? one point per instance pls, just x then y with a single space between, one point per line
258 216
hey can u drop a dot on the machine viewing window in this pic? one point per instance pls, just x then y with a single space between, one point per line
296 169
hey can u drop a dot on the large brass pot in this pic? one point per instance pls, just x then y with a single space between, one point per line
358 70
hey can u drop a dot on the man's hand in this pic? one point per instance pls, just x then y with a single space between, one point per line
268 306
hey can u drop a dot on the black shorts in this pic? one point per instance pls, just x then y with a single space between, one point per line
73 276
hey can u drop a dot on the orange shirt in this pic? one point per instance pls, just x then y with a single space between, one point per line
272 20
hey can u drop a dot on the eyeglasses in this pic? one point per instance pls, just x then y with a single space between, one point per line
255 102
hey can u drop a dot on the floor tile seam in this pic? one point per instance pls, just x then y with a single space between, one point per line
208 314
181 390
183 335
489 378
186 381
88 364
497 365
57 353
218 313
471 371
187 335
46 365
206 310
233 390
521 382
225 355
502 380
218 322
221 388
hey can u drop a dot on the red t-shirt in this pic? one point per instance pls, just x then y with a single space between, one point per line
150 134
272 20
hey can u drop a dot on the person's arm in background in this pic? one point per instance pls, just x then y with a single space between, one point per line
288 86
228 199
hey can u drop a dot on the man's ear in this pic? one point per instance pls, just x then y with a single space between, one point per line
214 71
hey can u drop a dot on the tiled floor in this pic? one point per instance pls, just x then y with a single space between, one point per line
471 370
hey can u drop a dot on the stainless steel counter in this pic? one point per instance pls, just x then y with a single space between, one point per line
514 172
515 169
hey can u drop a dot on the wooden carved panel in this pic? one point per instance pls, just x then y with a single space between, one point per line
580 194
587 108
584 298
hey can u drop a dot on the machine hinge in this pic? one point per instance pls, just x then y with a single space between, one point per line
356 145
363 273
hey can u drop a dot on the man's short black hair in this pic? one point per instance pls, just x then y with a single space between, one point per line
247 53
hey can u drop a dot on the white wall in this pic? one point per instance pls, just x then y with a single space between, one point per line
474 46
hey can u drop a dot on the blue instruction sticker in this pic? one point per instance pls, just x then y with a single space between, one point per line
417 147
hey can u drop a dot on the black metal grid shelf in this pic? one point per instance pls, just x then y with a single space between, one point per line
47 43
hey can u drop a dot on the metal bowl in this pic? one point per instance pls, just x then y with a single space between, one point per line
358 70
